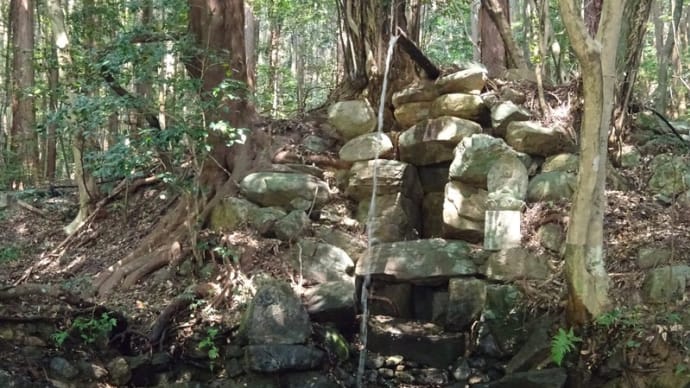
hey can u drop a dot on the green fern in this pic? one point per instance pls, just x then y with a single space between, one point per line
563 343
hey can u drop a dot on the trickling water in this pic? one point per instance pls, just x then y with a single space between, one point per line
364 296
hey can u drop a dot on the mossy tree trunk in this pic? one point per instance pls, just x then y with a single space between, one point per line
585 272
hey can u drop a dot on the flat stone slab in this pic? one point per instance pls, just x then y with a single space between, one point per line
422 342
418 260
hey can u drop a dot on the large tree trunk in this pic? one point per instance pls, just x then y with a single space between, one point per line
23 139
585 271
217 27
368 27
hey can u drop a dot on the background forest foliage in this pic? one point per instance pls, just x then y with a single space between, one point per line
294 59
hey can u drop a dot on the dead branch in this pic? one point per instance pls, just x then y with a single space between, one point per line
32 209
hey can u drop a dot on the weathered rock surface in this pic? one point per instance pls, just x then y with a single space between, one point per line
532 138
276 316
561 162
466 299
670 175
392 177
352 118
466 106
475 155
421 342
331 302
666 284
321 262
516 263
508 176
353 245
292 226
505 113
283 357
649 257
418 260
411 113
396 218
285 190
433 141
424 91
366 147
551 236
463 212
470 80
551 186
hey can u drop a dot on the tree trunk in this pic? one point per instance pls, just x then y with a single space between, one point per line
23 137
498 10
86 184
629 53
665 56
585 271
491 46
251 38
368 27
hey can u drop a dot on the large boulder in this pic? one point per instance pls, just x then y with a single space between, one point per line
418 260
666 284
475 155
532 138
331 302
411 113
351 243
463 212
392 177
551 186
670 175
421 92
285 190
366 147
466 106
276 316
561 162
320 262
396 218
352 118
470 80
505 113
433 141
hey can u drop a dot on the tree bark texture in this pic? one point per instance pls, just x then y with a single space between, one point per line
585 271
367 29
498 10
664 56
23 137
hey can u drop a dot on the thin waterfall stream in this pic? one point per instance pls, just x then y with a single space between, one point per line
364 296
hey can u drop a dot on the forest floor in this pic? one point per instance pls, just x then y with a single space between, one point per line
633 219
